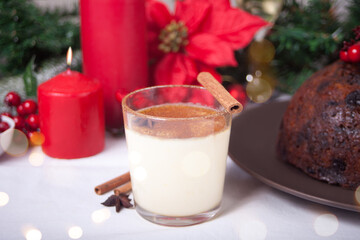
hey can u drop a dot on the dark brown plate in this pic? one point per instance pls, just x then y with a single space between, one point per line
252 147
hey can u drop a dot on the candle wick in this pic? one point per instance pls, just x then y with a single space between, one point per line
68 69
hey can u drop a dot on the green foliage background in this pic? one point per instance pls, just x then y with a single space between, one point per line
26 32
307 37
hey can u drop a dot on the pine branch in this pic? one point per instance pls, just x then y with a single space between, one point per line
306 38
26 31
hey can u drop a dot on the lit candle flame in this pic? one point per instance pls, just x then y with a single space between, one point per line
69 57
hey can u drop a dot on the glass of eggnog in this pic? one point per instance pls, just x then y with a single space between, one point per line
177 139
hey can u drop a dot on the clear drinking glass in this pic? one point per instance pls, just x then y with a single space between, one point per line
177 139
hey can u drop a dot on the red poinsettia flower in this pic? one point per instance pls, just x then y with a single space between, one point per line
200 36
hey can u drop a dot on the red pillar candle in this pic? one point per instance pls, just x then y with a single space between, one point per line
71 115
114 49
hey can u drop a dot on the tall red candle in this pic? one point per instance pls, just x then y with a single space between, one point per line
71 114
114 49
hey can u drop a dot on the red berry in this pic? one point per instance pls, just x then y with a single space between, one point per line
4 126
32 121
36 138
354 53
344 56
6 114
30 106
21 110
19 122
12 99
238 92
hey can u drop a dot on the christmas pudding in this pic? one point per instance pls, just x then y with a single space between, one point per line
320 130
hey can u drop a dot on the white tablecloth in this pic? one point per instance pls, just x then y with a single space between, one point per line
59 194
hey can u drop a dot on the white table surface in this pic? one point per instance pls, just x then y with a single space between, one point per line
59 194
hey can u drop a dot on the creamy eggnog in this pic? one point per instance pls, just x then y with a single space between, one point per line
178 166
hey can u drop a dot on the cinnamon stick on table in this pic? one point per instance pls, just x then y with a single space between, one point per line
219 92
113 183
123 189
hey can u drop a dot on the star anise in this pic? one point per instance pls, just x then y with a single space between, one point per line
118 201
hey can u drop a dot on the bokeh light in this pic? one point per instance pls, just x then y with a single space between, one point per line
249 78
14 142
33 234
37 138
259 90
269 77
36 157
101 215
75 232
261 51
4 199
266 9
326 225
253 230
272 8
357 195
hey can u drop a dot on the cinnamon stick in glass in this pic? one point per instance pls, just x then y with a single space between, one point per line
113 183
219 92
